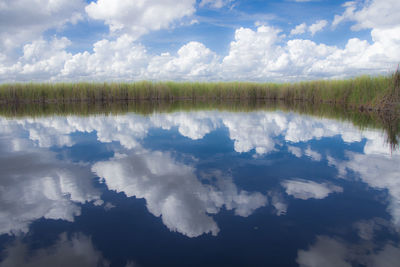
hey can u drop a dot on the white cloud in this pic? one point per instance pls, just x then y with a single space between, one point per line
121 59
380 16
299 29
317 26
172 190
77 250
304 189
215 3
313 28
257 54
41 60
193 61
260 55
375 14
139 17
254 55
44 59
25 20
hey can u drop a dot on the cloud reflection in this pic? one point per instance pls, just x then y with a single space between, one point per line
35 184
379 171
248 131
328 251
173 191
303 189
75 251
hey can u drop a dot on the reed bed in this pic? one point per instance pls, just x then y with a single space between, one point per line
362 92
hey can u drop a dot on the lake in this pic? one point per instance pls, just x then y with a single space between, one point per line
196 188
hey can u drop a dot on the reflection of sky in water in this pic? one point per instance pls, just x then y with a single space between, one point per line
244 184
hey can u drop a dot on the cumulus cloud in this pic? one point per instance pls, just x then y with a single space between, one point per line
313 28
375 14
172 190
139 17
253 55
112 60
25 20
77 250
121 59
193 61
299 29
317 26
304 189
42 59
259 54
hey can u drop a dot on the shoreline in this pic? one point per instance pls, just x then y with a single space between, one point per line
381 93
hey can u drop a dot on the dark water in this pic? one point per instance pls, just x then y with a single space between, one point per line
195 189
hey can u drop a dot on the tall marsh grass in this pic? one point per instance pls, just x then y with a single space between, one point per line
364 91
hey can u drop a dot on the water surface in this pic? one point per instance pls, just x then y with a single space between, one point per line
197 188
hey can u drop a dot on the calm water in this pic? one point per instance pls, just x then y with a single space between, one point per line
197 188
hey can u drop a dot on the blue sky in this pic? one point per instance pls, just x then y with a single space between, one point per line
207 40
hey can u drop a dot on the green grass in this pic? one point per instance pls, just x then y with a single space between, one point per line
361 92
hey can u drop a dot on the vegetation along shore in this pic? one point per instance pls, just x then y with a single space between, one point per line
366 101
365 92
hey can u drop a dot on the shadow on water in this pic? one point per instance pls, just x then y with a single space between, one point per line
389 122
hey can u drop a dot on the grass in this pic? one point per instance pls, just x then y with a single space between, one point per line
362 92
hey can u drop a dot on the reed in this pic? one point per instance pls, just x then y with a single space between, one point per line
367 92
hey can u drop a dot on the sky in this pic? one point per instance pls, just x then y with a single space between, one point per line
203 40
